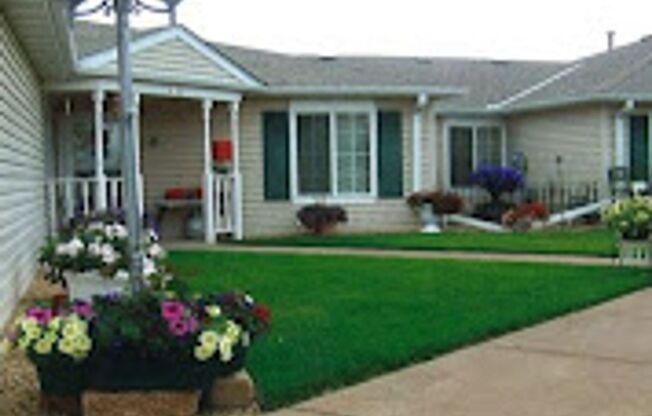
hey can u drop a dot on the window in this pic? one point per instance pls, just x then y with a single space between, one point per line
473 146
334 150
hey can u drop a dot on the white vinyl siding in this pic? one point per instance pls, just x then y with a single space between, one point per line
176 61
22 169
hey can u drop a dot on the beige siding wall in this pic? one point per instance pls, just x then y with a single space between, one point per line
175 60
273 218
22 167
581 136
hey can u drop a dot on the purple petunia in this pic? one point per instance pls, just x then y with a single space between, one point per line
83 309
42 315
498 180
172 310
179 328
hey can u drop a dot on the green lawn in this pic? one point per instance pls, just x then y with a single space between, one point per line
588 242
339 320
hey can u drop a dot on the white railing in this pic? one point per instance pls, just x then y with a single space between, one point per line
556 197
70 197
227 204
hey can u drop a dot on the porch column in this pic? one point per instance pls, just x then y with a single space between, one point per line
237 175
621 141
100 177
209 183
417 130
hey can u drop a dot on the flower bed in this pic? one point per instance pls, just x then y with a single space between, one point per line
91 258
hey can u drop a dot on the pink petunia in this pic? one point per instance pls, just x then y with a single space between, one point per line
42 315
172 311
178 328
83 309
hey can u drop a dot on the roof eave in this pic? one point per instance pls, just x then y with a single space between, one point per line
368 91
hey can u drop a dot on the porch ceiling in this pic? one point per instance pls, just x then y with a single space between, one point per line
41 28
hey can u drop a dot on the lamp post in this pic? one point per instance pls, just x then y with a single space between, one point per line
123 9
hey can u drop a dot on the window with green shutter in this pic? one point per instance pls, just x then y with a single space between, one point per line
276 143
390 155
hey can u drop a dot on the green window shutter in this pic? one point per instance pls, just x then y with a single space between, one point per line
390 155
276 143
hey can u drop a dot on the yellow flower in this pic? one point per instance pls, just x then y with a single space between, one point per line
226 350
55 324
209 339
72 330
213 311
203 352
83 343
43 347
233 331
66 346
28 324
32 332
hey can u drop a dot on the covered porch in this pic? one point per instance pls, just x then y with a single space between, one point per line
190 186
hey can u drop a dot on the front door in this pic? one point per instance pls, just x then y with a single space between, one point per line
639 148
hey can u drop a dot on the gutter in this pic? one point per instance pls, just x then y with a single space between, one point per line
370 90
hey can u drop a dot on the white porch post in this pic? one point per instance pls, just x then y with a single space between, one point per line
417 131
100 190
237 175
209 183
621 141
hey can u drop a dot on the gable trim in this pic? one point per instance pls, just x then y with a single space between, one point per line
100 59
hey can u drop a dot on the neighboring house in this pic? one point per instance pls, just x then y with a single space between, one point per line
362 132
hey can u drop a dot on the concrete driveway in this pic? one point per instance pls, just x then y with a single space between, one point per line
597 362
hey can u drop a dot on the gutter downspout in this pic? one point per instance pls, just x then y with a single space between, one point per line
621 133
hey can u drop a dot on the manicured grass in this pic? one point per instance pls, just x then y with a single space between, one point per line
339 320
587 242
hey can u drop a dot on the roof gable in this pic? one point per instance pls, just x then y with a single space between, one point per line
173 54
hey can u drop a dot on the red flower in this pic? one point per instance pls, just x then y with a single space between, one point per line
263 313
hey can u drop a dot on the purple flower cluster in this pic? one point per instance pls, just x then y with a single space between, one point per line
498 180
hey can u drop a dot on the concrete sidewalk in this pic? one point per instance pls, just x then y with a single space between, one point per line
597 362
407 254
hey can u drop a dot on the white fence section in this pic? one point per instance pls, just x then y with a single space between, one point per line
556 197
70 197
227 200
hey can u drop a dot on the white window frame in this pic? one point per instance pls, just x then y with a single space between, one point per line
333 108
475 125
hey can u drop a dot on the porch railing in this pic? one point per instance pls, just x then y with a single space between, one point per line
556 197
71 196
227 202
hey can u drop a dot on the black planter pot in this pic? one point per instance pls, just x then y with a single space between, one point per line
492 211
61 377
130 372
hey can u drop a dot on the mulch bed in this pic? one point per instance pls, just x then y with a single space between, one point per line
19 394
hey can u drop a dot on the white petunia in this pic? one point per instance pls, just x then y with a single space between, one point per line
96 226
62 249
120 231
156 251
109 256
95 249
121 275
149 267
75 246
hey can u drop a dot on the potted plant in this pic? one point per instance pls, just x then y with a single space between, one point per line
319 219
496 181
150 345
91 258
432 204
631 218
56 339
525 216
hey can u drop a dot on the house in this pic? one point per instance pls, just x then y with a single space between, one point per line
362 132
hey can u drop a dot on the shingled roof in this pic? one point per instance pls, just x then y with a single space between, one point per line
489 84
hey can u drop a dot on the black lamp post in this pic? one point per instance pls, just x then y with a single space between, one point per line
123 9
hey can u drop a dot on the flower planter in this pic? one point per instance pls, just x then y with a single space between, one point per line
141 403
635 252
83 286
428 219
